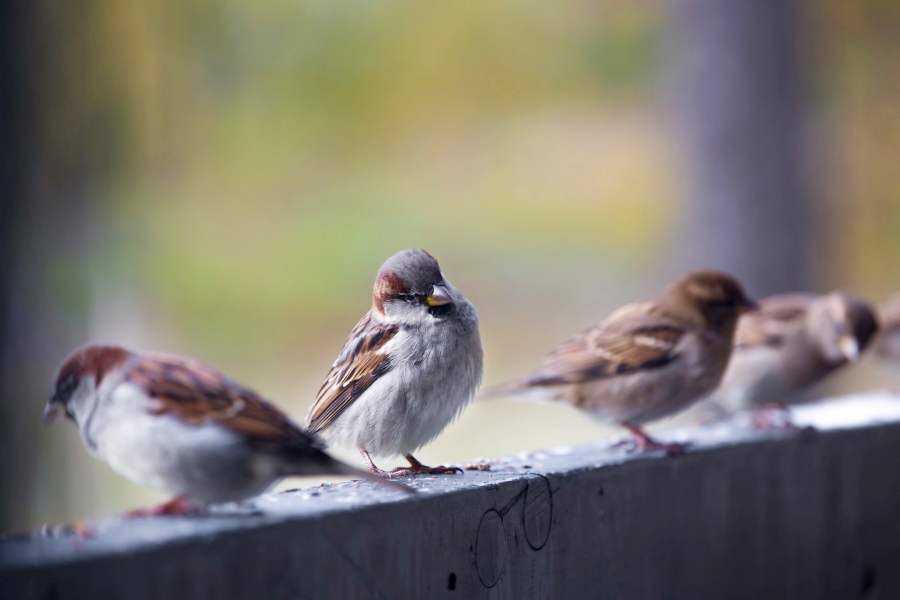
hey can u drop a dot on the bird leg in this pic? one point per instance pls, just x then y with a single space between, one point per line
773 416
179 505
644 442
371 465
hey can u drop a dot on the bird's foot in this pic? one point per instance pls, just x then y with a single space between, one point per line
670 448
375 470
416 468
773 416
179 505
423 470
382 473
83 530
642 442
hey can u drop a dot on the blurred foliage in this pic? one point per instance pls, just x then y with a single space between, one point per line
857 94
274 153
250 165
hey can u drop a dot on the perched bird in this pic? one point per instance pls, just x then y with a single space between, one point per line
648 360
408 369
887 344
182 428
792 342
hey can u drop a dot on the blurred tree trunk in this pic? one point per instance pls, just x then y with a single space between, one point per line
14 120
737 91
44 227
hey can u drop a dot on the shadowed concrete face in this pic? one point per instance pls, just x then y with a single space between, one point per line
744 514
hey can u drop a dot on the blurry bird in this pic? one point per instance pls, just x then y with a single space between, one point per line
887 345
648 360
792 342
182 428
408 369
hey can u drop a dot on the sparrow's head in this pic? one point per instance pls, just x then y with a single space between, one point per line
708 299
410 288
843 325
78 378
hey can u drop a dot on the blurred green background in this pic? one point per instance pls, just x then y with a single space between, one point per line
223 179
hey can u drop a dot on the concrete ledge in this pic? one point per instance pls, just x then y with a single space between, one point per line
744 515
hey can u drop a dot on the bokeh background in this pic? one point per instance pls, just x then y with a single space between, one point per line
223 178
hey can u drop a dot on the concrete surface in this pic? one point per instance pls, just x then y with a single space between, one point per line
745 514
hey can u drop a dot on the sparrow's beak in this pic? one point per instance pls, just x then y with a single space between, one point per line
439 296
749 306
849 347
53 413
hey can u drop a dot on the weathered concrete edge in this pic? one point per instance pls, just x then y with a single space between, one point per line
117 539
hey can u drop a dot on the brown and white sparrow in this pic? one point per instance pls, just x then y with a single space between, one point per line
408 369
647 360
887 344
180 427
792 342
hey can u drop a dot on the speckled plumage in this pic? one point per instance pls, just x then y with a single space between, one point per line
180 427
647 360
409 367
791 343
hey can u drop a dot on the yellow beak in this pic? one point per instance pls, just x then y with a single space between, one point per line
849 347
439 296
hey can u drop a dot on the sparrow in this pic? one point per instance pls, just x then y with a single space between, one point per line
792 342
647 360
408 369
180 427
887 344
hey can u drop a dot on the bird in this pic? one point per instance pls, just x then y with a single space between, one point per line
180 427
791 343
887 345
647 360
407 370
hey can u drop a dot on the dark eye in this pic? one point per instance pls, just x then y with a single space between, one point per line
412 298
66 388
725 303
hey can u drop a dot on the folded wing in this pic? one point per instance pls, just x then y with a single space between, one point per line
362 361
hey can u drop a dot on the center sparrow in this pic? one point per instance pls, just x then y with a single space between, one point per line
791 343
648 360
182 428
408 369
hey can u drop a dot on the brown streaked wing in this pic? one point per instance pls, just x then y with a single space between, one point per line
197 393
777 318
608 351
627 313
359 365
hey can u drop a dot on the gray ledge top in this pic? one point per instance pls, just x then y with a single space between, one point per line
115 536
